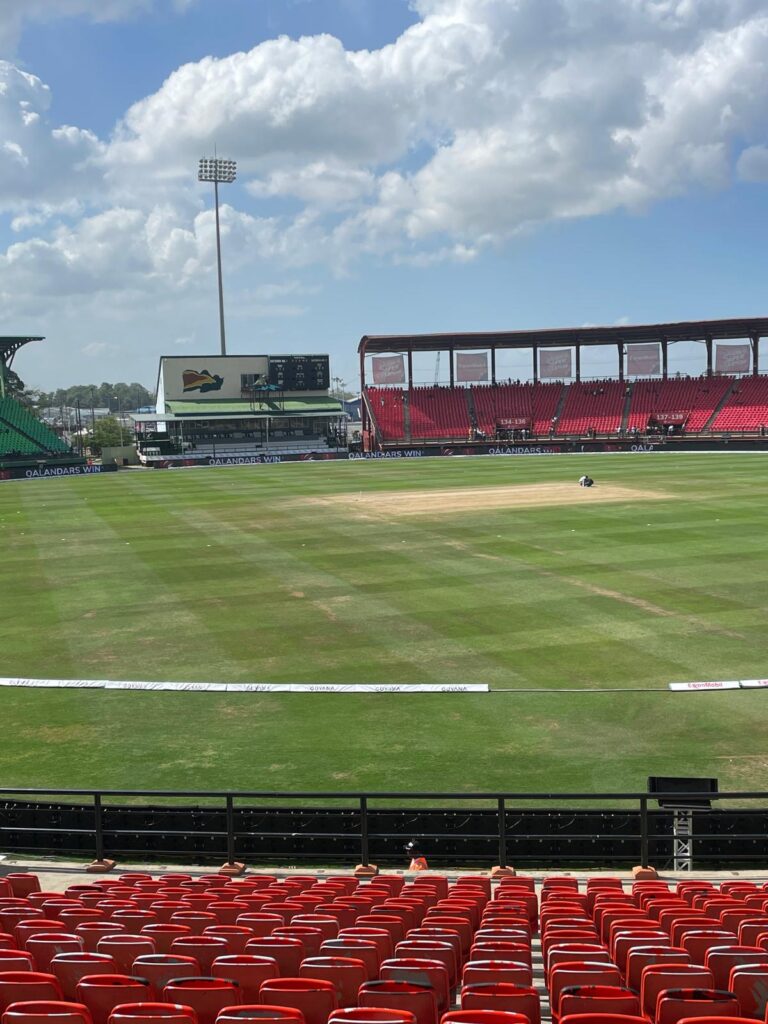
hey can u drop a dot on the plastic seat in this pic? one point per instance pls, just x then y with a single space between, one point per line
698 941
41 925
424 949
658 977
357 949
23 883
720 960
421 971
260 1012
602 1018
494 949
579 973
750 986
16 960
401 995
44 947
91 931
562 953
69 968
625 942
248 972
286 951
514 998
47 1012
599 999
484 1017
315 997
644 956
161 968
676 1004
206 995
26 986
345 973
370 1015
436 935
146 1013
101 993
378 936
477 972
125 948
204 948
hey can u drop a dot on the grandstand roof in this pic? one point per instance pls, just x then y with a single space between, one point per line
693 330
10 345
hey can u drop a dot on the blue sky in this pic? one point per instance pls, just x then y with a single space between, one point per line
432 165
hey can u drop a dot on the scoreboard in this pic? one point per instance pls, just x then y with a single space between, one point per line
299 373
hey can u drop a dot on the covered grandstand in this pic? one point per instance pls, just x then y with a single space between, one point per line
27 445
641 399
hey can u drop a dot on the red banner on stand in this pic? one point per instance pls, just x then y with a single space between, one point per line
471 366
388 370
676 418
514 422
643 360
555 363
732 358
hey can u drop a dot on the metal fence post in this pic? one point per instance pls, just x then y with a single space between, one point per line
98 828
643 832
230 830
364 851
502 832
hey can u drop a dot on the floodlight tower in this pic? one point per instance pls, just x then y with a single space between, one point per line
219 172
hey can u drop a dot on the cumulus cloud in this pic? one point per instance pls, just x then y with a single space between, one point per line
483 119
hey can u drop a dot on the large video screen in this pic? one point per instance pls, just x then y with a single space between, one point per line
299 373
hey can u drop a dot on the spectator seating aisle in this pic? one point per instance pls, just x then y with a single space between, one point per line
592 405
747 406
13 415
388 951
697 399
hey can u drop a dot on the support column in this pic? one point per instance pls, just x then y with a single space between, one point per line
363 409
755 339
578 362
620 349
410 369
708 343
493 364
664 358
450 353
535 364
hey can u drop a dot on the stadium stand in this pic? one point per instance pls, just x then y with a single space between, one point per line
592 406
746 407
439 412
444 979
23 435
696 400
387 407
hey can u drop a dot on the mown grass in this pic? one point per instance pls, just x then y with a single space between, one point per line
234 575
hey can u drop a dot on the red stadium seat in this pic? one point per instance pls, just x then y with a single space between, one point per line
345 973
161 968
16 960
476 972
514 998
579 973
483 1017
206 996
602 1018
749 983
69 968
658 977
26 986
47 1012
44 947
315 997
370 1015
204 948
248 972
262 1013
401 995
421 971
720 960
125 948
101 993
598 999
676 1004
91 931
643 956
147 1013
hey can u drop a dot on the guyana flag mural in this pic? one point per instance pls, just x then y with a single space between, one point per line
201 380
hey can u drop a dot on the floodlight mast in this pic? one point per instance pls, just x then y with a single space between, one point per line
224 172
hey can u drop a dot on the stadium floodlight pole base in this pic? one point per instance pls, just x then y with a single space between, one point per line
499 872
366 871
232 868
641 874
100 867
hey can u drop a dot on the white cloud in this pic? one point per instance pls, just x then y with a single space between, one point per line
482 120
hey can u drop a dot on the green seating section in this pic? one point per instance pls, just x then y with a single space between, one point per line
22 432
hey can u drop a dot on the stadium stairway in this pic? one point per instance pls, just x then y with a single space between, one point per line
627 406
720 405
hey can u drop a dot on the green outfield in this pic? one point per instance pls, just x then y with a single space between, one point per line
496 570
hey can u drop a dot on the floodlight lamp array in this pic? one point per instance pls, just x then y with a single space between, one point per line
223 171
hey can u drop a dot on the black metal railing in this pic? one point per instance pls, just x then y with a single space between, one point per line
533 829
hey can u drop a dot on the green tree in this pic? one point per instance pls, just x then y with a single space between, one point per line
107 434
16 388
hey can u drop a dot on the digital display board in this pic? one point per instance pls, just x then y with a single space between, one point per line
300 373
